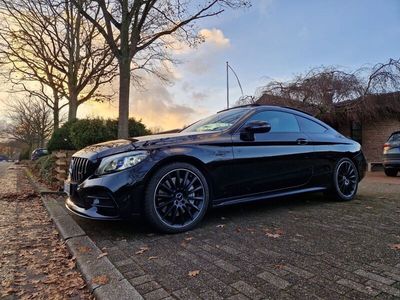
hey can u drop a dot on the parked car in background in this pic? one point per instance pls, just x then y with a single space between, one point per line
3 158
238 155
37 153
391 155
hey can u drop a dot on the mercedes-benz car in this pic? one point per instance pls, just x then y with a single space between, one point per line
243 154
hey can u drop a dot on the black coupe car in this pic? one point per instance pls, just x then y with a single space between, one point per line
238 155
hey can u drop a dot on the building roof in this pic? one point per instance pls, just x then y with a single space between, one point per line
367 108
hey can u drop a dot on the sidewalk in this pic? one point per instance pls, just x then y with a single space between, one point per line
34 262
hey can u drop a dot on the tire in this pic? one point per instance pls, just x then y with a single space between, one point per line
176 198
391 172
345 181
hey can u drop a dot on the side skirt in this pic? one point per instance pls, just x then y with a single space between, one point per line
265 196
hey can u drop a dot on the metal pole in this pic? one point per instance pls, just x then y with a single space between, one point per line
237 78
227 85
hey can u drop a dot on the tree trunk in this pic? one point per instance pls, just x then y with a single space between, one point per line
124 62
73 107
124 89
56 111
56 118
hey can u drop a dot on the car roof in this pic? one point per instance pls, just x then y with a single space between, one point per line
256 107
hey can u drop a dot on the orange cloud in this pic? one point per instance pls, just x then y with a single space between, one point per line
154 105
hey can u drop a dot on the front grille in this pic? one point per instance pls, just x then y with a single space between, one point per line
80 169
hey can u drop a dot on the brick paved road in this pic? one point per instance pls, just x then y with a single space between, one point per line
305 248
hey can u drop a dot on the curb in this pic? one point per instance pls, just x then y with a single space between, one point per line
87 254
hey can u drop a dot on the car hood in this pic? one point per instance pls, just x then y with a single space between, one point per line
101 150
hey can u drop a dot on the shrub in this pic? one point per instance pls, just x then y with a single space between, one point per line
25 154
136 128
60 139
45 168
89 131
81 133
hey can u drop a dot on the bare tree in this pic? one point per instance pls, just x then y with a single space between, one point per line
11 148
325 86
138 32
30 122
51 52
383 77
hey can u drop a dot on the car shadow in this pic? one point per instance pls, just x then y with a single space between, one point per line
138 227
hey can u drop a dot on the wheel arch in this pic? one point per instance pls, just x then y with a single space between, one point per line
182 159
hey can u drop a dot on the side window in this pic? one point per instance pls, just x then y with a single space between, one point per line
280 121
309 126
395 137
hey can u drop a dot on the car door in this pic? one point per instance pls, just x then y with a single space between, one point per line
328 147
278 159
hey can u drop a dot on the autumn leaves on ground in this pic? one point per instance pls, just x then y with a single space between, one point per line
34 262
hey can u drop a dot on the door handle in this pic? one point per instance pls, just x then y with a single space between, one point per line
302 141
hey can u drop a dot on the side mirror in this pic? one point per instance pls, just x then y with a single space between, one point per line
258 127
247 133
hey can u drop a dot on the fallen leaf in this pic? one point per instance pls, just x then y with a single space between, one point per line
221 226
251 230
395 246
102 255
100 280
273 235
279 267
84 249
368 288
142 250
369 207
194 273
276 233
152 257
188 239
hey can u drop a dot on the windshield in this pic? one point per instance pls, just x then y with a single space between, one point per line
217 122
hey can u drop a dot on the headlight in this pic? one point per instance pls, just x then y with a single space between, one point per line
120 162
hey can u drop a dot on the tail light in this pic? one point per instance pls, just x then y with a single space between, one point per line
386 146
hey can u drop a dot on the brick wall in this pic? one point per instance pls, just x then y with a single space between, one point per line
374 135
344 129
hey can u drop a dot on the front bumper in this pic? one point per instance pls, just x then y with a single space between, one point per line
88 213
111 197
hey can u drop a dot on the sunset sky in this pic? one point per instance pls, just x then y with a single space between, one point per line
273 39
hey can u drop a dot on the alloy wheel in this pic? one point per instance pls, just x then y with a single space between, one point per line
347 178
179 198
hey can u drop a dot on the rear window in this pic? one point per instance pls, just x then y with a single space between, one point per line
395 137
310 126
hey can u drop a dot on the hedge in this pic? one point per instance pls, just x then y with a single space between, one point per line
84 132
